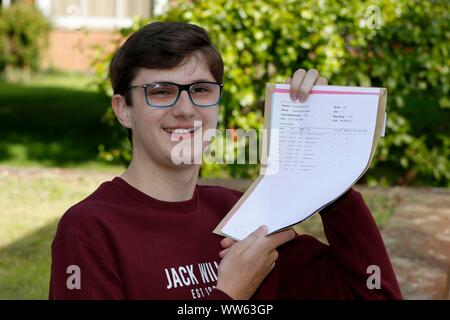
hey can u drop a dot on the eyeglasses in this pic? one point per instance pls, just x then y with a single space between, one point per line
166 94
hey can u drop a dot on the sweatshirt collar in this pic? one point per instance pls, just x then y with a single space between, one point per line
185 206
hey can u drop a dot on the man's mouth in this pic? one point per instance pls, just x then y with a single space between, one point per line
178 134
179 130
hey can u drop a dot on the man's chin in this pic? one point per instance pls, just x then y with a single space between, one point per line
185 162
185 155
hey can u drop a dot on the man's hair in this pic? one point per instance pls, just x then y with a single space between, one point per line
161 45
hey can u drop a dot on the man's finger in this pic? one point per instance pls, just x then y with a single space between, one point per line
279 238
223 253
322 82
258 233
296 81
307 84
227 242
274 255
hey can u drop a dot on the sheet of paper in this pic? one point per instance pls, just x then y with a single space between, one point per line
317 151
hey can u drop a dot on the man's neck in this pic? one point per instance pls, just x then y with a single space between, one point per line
162 182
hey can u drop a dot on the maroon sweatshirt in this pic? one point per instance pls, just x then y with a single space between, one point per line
120 243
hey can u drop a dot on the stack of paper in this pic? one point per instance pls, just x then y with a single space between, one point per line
316 151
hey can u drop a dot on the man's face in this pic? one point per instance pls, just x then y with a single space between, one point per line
151 126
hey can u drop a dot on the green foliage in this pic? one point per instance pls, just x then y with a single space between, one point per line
23 34
405 49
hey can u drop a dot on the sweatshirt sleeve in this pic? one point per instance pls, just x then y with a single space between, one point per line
342 269
82 271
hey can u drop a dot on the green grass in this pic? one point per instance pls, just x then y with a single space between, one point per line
54 120
30 206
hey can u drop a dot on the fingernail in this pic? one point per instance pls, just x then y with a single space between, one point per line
264 228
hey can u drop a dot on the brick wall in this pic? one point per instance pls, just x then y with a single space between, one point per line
73 50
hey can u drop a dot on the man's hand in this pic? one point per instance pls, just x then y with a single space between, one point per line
302 83
246 263
226 243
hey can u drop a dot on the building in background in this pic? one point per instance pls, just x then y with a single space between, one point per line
80 26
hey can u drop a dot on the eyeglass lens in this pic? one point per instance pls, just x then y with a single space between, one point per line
166 94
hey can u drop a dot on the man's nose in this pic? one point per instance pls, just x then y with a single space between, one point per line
184 106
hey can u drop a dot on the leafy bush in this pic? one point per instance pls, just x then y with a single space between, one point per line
405 49
23 34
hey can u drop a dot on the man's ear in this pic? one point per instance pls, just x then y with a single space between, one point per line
122 110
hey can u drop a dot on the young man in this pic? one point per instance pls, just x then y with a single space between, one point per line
148 233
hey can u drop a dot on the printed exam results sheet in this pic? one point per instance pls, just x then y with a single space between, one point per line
317 150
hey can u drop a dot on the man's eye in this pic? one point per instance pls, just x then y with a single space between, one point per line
161 93
201 89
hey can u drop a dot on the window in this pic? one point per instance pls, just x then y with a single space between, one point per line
65 7
98 14
102 8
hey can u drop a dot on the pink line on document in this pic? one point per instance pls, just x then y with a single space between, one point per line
327 92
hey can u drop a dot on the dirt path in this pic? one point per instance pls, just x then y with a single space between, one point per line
418 240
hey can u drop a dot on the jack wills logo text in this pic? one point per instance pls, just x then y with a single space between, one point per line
186 275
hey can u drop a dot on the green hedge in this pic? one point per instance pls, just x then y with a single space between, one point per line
23 35
406 50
